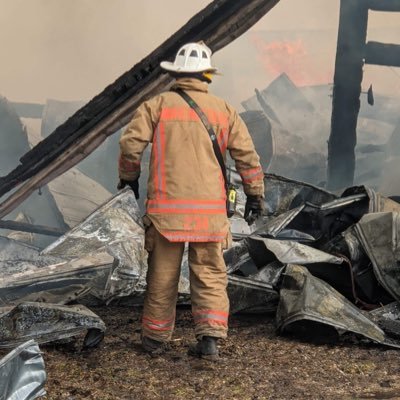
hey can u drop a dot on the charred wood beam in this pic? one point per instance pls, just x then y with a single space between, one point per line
384 5
382 54
346 93
25 227
221 22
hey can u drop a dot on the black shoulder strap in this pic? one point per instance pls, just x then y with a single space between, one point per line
209 128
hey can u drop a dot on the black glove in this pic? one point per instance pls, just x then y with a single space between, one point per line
254 208
134 185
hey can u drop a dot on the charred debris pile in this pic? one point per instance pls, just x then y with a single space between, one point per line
324 263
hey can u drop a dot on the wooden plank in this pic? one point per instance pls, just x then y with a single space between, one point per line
382 54
217 25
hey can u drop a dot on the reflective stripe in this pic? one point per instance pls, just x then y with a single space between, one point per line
207 313
251 175
223 140
158 325
128 166
181 206
211 317
158 146
162 159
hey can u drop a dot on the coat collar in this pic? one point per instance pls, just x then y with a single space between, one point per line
190 84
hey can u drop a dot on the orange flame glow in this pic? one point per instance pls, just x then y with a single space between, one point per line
292 58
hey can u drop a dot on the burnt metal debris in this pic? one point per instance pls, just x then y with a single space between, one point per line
45 323
310 245
22 373
314 245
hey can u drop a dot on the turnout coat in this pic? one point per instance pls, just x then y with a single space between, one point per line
186 198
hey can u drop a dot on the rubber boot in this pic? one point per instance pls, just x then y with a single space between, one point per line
153 347
205 348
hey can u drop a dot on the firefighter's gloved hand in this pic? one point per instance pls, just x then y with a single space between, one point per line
254 208
134 185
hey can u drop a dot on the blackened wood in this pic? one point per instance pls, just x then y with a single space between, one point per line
346 93
384 5
382 54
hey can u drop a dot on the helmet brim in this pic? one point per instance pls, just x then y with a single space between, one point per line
170 67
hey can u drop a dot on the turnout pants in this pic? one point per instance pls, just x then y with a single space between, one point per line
208 281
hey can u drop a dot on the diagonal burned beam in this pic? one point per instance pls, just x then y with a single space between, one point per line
221 22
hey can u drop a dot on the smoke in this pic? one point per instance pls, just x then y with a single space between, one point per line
73 49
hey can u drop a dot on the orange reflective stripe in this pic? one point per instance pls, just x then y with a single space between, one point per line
251 174
185 201
182 206
159 160
211 312
211 317
155 156
223 140
158 325
162 159
158 210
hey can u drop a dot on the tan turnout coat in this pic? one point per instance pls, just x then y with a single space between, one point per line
186 199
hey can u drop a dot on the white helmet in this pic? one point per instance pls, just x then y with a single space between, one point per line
192 57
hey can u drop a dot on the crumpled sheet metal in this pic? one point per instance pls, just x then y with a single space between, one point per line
377 202
379 234
22 373
305 298
388 318
263 251
48 322
283 194
115 227
249 294
59 283
16 257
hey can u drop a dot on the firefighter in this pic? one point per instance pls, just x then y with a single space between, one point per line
186 198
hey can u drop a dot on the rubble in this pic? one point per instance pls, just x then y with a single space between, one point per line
311 308
47 323
310 245
22 373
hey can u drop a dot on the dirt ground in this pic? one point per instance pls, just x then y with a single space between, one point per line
256 364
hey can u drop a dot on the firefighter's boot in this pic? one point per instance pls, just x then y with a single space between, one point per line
153 347
205 348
